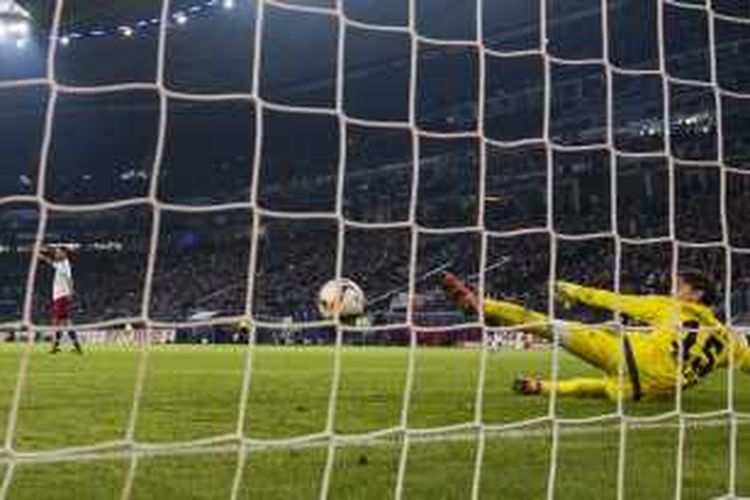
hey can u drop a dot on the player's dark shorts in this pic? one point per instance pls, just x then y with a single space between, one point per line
61 309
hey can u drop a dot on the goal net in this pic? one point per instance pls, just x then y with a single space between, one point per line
211 163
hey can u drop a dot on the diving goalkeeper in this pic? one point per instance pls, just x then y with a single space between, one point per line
682 327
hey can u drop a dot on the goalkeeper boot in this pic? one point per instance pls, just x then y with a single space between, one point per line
460 293
528 386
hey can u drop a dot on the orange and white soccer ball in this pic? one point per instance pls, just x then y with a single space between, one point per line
342 296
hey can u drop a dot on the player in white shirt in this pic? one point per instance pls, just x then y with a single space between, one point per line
62 296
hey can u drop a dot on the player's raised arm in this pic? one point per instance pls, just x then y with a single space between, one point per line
44 257
645 308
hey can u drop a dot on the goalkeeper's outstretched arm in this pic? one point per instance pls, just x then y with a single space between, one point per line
496 312
646 308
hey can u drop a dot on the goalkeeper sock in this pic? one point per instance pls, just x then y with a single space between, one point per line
578 387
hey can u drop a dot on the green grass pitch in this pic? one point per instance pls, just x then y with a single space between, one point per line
193 393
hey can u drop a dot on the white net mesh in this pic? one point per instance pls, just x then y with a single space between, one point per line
535 138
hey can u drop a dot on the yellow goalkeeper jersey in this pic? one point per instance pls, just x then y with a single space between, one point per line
678 328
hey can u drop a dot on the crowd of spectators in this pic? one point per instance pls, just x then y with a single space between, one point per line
295 257
202 263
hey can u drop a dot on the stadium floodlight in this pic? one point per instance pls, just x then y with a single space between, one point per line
126 31
180 18
15 21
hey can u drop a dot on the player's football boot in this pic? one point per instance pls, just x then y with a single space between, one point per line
460 293
528 386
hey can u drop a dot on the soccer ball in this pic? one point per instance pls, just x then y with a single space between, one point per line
342 296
